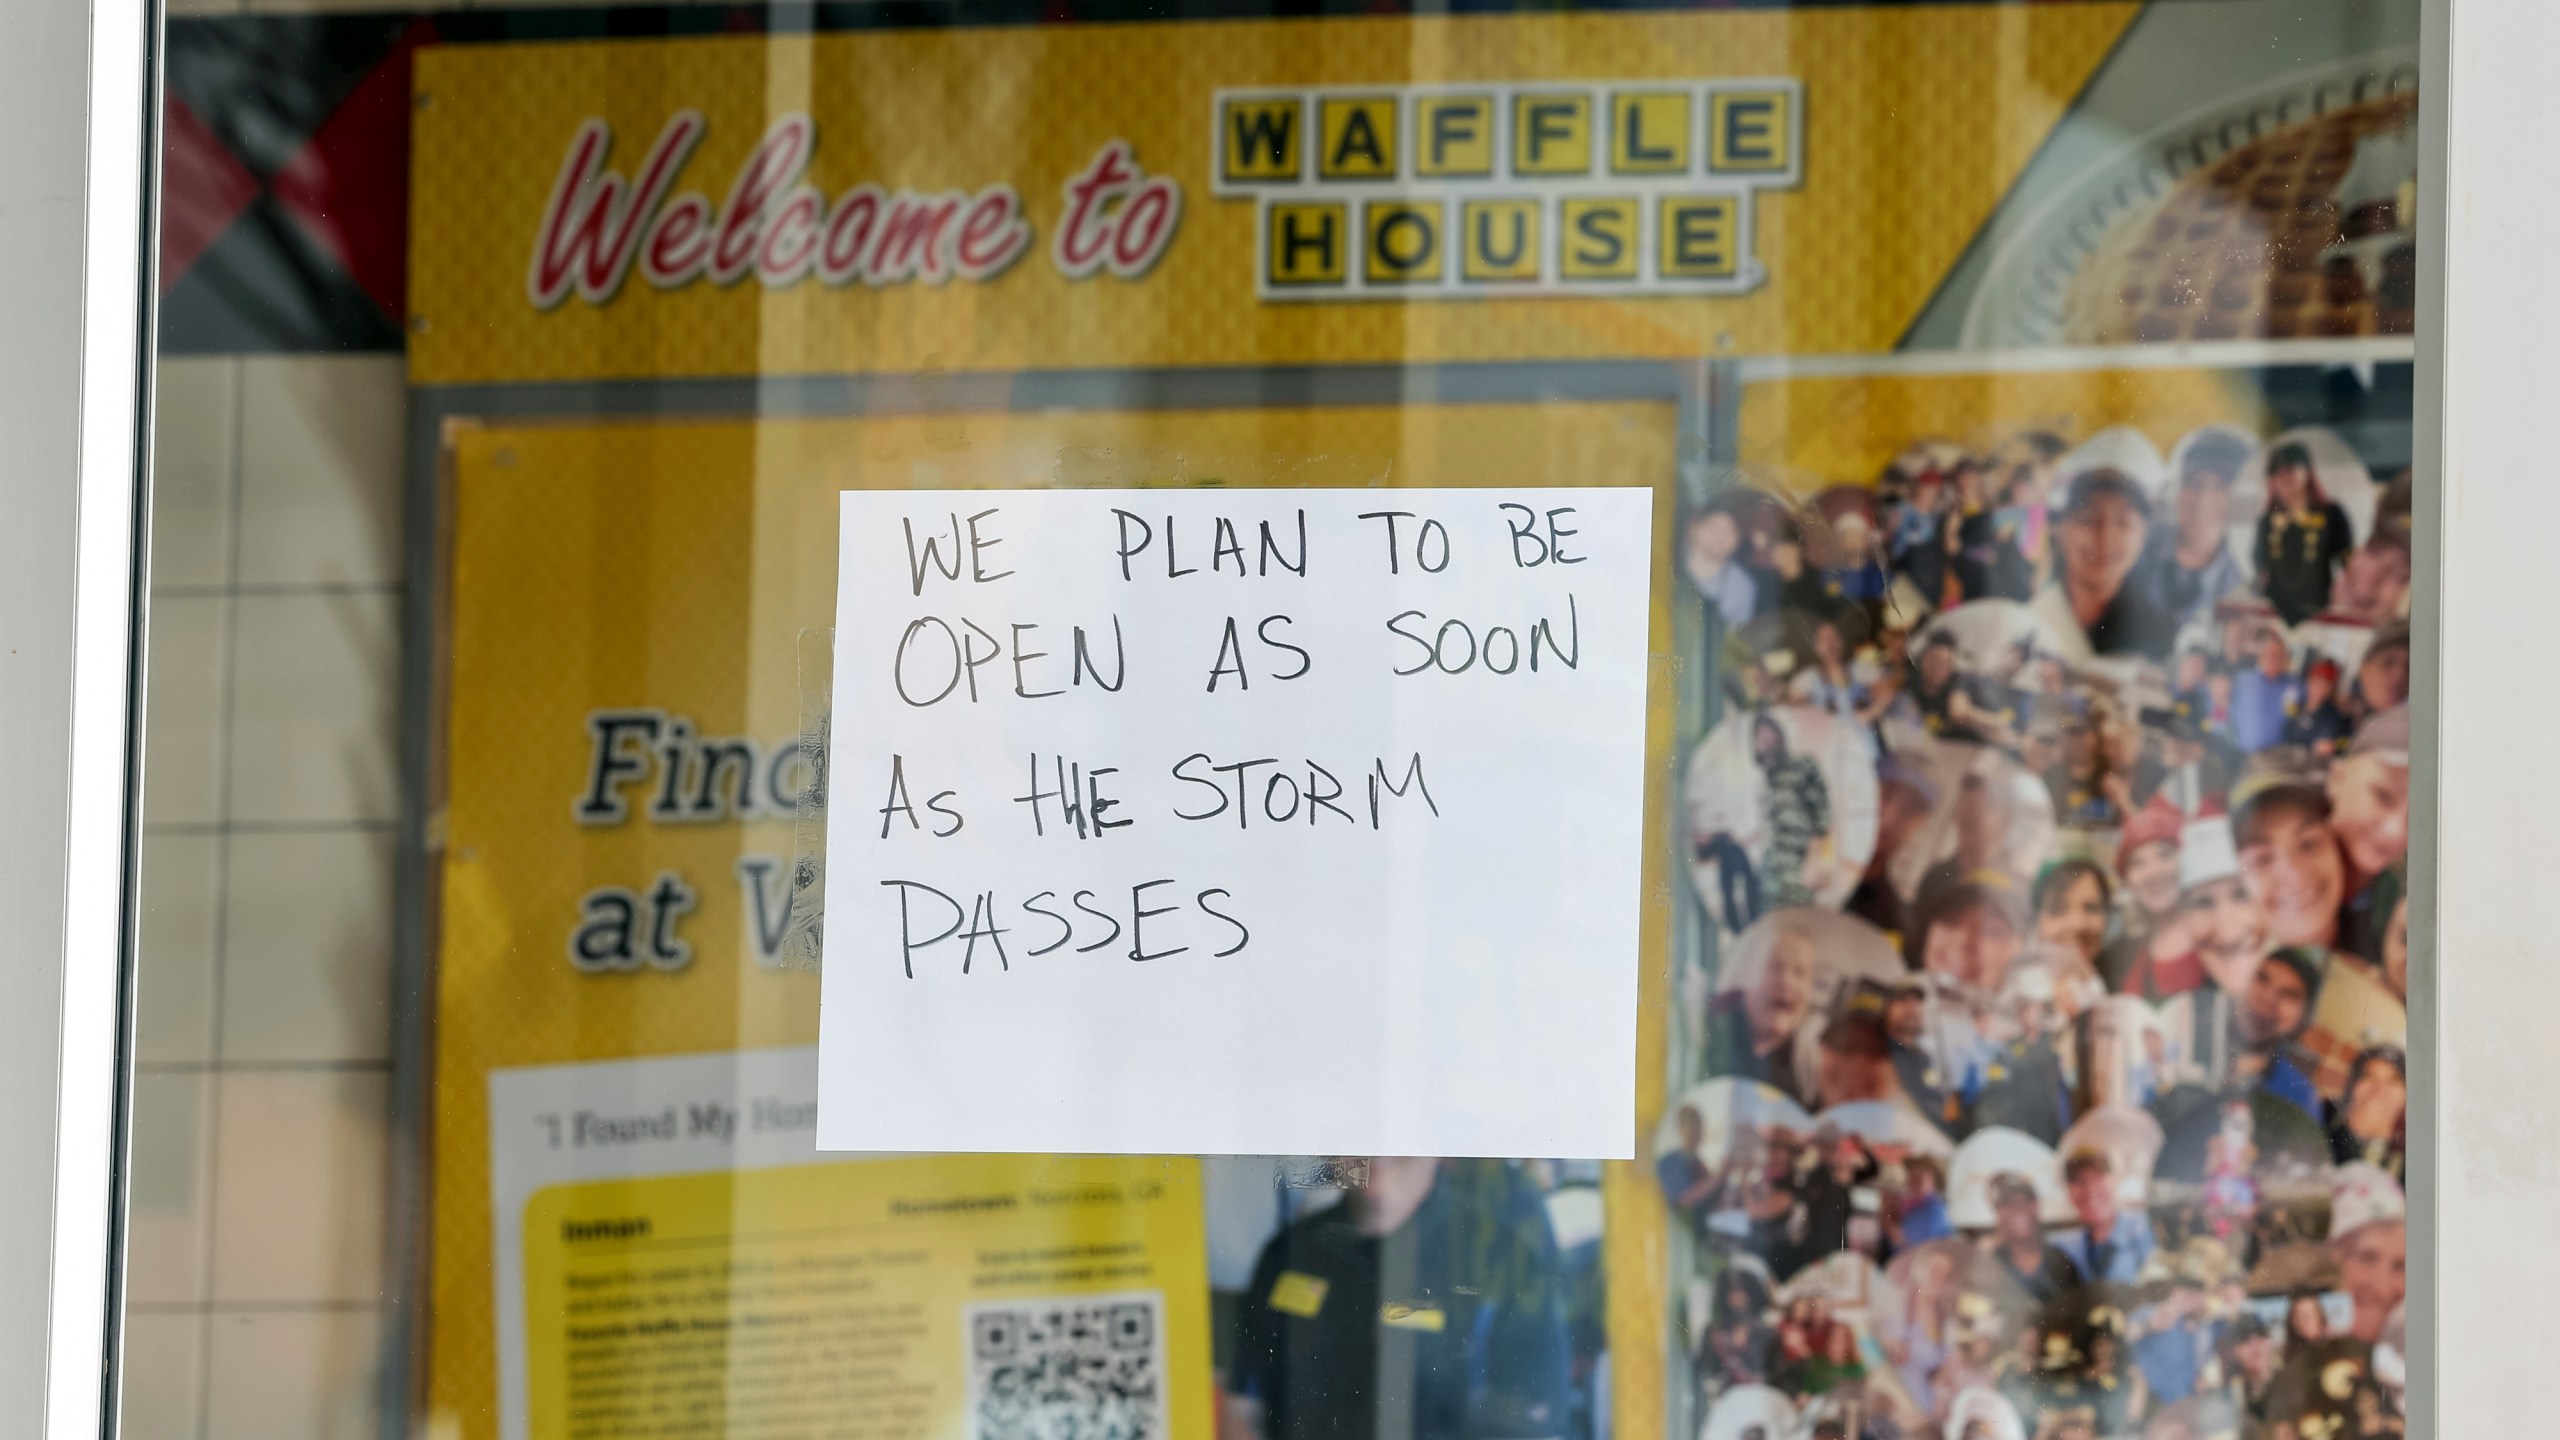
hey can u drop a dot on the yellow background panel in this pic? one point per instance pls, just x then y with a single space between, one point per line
1807 432
1896 183
675 564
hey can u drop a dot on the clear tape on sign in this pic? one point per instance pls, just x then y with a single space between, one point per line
801 945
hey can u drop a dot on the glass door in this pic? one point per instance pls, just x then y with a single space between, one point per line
1105 723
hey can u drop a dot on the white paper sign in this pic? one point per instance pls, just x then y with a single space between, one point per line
1236 822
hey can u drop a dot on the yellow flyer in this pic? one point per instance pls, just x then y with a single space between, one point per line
677 1280
635 1234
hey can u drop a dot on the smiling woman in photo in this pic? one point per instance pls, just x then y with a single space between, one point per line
2290 857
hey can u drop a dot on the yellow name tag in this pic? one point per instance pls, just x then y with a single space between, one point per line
1413 1317
1299 1295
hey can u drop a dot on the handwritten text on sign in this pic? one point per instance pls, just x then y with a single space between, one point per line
1236 821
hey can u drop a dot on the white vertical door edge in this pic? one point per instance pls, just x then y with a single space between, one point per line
2485 1025
76 105
118 245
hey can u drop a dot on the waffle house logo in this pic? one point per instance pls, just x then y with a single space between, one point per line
1477 192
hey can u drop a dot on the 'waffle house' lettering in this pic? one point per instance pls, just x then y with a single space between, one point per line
1458 192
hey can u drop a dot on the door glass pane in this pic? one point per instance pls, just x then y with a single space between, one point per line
839 693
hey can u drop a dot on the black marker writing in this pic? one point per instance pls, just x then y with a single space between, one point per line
1423 542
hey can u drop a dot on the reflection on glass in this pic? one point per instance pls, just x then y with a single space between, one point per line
2020 1040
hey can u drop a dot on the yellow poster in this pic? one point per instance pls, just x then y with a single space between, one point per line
625 1073
926 1296
1387 189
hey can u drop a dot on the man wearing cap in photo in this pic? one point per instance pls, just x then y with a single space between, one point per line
2100 535
1931 1088
2189 564
2369 811
2173 1336
2024 1086
2044 1273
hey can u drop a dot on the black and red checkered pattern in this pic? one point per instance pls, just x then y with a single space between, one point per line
284 182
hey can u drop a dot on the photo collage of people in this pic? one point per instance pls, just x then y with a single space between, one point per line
2040 1068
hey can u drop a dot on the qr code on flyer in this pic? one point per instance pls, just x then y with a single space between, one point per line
1086 1367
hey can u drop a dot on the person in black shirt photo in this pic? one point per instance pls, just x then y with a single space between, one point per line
2100 536
2302 537
1954 705
2018 1243
1432 1292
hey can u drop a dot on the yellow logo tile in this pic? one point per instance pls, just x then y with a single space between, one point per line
1599 239
1551 133
1259 140
1499 240
1404 242
1307 244
1453 137
1751 131
1649 132
1359 138
1699 237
